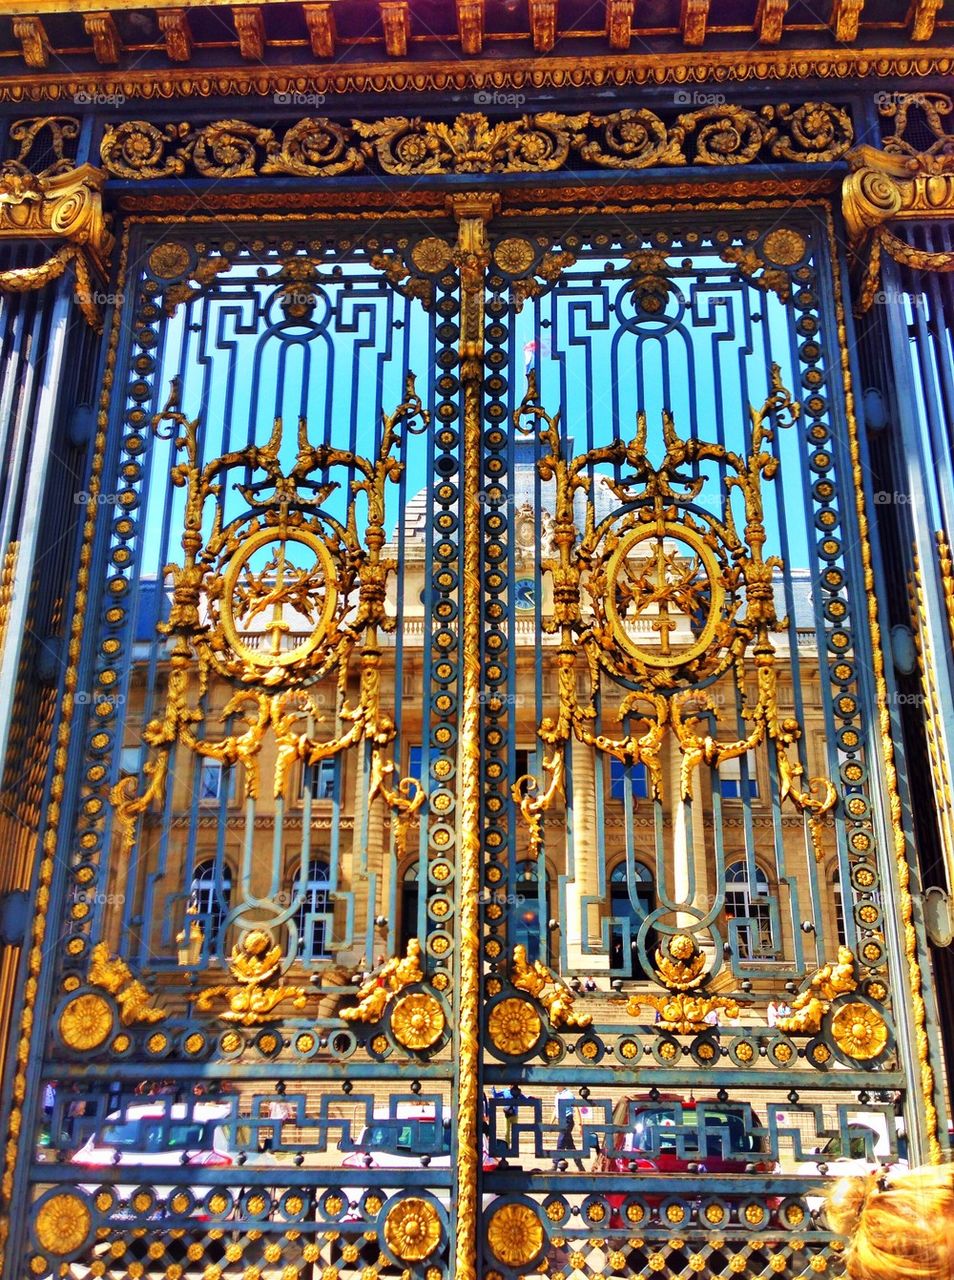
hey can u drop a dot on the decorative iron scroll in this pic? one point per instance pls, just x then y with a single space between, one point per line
900 183
668 562
816 132
240 588
61 203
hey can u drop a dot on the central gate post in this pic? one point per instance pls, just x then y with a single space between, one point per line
472 212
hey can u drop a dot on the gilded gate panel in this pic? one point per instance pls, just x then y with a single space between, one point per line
260 886
685 961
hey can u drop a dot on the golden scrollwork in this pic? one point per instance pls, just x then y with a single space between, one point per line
63 1223
514 1026
859 1031
256 965
659 565
754 269
471 143
404 799
515 1234
412 1229
378 990
114 975
682 967
548 990
898 183
61 205
417 1020
824 986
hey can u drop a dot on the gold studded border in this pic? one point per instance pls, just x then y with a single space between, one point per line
906 903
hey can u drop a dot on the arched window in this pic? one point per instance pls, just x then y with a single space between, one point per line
530 913
210 897
410 898
313 917
628 917
751 906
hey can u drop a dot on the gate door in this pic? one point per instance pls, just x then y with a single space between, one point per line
688 1016
471 847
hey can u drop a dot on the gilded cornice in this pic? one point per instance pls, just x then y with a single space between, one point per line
687 68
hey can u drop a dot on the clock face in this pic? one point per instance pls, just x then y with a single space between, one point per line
525 593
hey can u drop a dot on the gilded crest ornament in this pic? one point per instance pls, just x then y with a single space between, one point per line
275 599
87 1019
664 566
551 991
258 990
682 967
417 1020
824 986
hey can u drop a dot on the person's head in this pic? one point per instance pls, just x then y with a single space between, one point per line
899 1229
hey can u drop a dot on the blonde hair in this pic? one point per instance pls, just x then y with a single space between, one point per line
902 1229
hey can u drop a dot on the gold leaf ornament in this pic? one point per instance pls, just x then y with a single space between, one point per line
86 1022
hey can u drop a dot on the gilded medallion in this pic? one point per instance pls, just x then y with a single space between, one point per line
417 1020
86 1022
412 1229
859 1031
515 1234
514 1026
63 1223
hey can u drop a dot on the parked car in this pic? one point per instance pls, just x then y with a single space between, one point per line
160 1133
867 1147
656 1135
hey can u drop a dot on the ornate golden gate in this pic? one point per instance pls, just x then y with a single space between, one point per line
473 844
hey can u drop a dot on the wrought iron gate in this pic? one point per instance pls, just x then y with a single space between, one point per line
476 850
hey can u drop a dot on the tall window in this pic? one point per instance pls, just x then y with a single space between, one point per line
629 916
410 898
750 906
213 781
211 897
638 781
732 784
320 779
530 913
313 917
